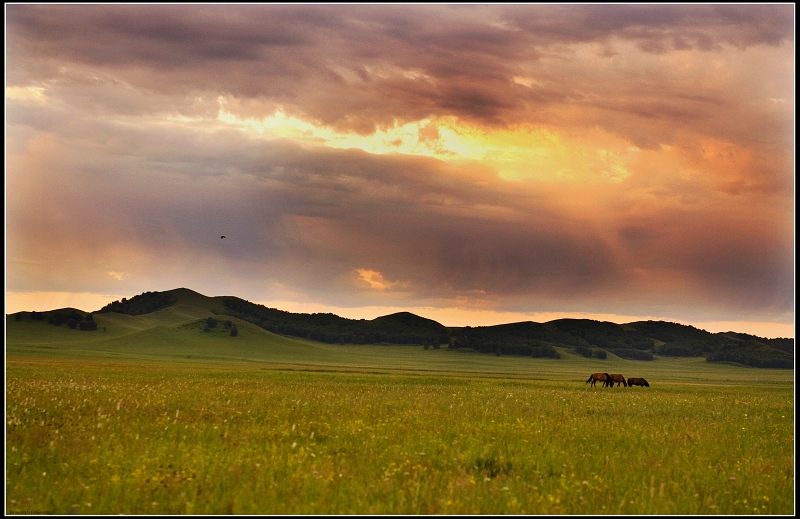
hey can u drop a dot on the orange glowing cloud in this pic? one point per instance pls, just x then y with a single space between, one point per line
374 279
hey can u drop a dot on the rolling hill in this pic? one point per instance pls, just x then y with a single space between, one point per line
191 325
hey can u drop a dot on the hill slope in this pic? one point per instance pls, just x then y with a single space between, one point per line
184 322
178 330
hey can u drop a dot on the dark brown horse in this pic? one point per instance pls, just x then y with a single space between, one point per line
634 381
604 377
619 379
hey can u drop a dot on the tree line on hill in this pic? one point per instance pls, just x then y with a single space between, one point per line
636 341
402 328
595 339
144 303
73 318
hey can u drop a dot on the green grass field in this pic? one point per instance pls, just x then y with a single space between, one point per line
155 416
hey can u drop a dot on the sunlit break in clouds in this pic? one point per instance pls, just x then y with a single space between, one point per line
475 164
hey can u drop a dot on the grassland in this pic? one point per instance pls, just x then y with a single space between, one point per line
159 417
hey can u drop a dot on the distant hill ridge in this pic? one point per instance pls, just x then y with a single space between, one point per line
641 340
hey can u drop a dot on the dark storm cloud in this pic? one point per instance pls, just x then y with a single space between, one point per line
465 56
658 28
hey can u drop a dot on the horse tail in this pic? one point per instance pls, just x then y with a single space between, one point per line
608 381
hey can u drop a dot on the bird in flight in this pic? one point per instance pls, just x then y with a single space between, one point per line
222 237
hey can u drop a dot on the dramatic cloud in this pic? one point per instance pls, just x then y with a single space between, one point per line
611 159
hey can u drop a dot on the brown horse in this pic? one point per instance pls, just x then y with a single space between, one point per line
604 377
637 382
619 379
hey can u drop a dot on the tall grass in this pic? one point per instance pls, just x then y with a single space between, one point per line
107 437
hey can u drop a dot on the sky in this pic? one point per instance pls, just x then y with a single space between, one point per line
476 164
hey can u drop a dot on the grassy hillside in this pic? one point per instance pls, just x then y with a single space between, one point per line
174 325
176 334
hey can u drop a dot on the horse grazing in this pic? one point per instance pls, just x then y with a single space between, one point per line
619 379
604 377
637 382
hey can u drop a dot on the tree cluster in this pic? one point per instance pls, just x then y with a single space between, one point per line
73 318
757 352
686 348
503 344
210 323
758 356
228 325
144 303
332 329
